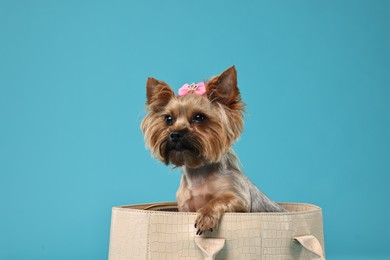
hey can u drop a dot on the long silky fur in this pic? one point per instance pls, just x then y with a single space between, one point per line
212 181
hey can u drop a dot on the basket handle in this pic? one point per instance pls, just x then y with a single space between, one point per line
210 246
312 244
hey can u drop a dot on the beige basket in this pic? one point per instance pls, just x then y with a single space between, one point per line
158 231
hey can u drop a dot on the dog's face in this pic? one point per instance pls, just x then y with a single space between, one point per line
193 130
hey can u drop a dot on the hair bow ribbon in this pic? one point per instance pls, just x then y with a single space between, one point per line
199 89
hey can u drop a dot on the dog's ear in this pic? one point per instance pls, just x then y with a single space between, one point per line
158 94
223 88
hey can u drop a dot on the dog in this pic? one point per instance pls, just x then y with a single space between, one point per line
195 130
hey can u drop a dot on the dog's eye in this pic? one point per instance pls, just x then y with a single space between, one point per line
198 118
168 119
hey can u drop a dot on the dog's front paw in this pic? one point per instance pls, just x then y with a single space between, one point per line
207 220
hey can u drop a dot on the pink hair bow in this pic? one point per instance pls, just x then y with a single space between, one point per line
199 89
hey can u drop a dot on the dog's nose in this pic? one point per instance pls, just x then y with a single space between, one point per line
176 136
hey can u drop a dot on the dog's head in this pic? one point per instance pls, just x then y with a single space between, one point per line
196 127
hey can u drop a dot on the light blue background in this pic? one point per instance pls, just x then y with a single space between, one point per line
315 76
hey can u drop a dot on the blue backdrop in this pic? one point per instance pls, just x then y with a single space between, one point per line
315 76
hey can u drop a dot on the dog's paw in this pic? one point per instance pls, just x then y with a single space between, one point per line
206 220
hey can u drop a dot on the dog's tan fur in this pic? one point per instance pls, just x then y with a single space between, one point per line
212 182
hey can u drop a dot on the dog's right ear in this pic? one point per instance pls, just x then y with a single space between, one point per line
223 88
158 94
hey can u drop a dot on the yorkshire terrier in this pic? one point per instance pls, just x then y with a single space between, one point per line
195 130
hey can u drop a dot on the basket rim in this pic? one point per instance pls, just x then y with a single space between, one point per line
157 209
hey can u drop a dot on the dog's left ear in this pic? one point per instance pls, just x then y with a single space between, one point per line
223 88
158 94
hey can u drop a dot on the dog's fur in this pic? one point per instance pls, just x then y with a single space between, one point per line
196 133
